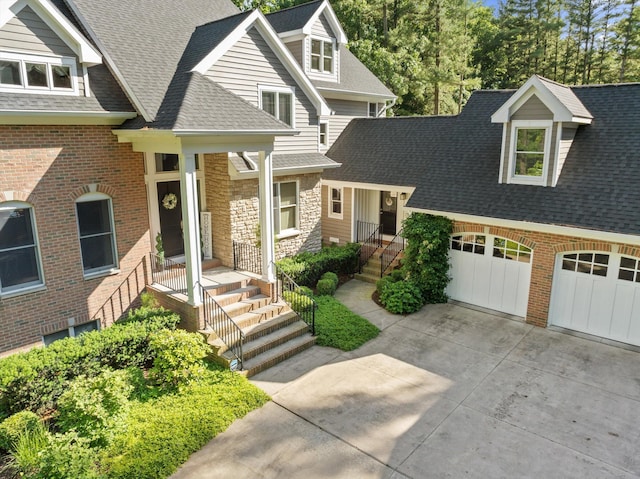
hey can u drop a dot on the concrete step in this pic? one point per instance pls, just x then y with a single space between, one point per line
236 295
250 304
260 314
218 289
277 355
263 344
264 328
372 269
367 278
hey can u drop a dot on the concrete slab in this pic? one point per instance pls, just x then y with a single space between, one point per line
365 405
274 443
471 444
587 419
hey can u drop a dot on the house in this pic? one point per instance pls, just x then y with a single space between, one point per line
542 185
124 123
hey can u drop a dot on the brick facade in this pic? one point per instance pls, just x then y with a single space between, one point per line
49 167
545 247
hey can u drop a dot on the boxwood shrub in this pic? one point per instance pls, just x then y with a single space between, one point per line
402 297
326 287
307 268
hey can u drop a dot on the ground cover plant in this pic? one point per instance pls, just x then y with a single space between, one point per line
131 401
339 327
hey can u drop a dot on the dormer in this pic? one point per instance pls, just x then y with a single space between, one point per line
314 36
539 122
41 51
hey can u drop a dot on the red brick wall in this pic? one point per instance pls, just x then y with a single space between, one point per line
545 247
49 167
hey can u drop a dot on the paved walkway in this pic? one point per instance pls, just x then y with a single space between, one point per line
445 392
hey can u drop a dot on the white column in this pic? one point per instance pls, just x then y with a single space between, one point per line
191 225
265 168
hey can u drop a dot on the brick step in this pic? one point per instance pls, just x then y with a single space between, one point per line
263 344
255 331
277 355
236 295
219 289
260 315
244 306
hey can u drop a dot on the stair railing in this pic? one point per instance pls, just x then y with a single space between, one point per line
391 252
247 257
217 319
370 244
299 301
168 273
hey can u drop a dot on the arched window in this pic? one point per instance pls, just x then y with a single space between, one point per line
96 233
20 267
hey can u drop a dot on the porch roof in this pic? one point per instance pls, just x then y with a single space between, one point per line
283 163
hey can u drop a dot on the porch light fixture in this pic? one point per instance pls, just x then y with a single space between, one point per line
403 196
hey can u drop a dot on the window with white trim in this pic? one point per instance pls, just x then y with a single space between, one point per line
529 156
589 263
20 267
510 250
96 233
629 269
285 207
373 110
322 55
279 102
469 243
323 134
37 74
335 207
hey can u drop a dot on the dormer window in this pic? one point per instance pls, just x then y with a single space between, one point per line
529 155
31 74
322 56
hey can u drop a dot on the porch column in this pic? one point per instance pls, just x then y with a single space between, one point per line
191 225
265 169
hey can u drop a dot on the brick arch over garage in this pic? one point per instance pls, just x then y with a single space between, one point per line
502 232
92 188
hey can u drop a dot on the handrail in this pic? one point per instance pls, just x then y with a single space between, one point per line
224 326
365 230
369 247
168 273
247 257
391 252
299 301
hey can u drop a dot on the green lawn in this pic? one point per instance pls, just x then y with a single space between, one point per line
338 327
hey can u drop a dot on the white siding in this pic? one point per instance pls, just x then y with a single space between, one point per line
321 28
565 144
251 62
297 50
27 33
345 111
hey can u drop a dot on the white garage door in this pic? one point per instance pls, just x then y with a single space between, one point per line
491 272
597 293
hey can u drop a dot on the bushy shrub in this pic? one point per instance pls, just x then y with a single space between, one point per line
326 287
307 268
382 283
330 275
15 425
178 357
300 299
67 456
95 406
402 297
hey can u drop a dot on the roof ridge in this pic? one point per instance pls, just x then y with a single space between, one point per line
224 19
306 4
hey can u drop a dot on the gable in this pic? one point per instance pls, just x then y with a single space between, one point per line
321 28
532 109
27 32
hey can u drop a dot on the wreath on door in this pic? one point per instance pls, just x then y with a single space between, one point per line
170 201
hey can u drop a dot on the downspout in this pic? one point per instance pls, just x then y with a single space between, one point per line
387 107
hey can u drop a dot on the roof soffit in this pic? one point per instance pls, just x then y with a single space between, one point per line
258 20
61 26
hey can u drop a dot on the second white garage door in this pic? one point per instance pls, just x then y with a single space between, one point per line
491 272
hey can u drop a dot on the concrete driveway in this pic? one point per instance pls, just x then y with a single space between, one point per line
445 392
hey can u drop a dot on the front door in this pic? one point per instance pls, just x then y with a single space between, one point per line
170 218
388 212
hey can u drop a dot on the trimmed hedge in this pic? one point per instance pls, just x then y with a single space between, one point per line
15 425
307 268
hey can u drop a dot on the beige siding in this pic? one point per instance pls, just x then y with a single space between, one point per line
553 154
321 28
532 109
565 145
296 49
336 228
345 111
251 62
26 32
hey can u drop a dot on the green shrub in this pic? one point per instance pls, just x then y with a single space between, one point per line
338 327
95 406
67 456
300 299
178 357
382 283
28 449
332 277
15 425
402 297
307 268
149 301
398 274
326 287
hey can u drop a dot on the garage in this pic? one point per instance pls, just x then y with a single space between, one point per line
491 272
597 293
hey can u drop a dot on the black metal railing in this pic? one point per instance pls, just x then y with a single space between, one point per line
391 252
216 319
365 230
169 274
247 257
371 243
297 299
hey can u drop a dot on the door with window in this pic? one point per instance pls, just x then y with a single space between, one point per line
597 293
170 218
388 212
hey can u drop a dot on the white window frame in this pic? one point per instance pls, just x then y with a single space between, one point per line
369 110
322 57
106 269
325 144
23 59
278 90
331 213
32 285
280 233
516 125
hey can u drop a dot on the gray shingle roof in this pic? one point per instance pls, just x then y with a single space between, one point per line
355 78
567 97
285 162
454 162
293 18
106 96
